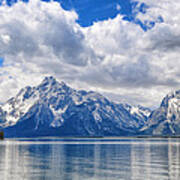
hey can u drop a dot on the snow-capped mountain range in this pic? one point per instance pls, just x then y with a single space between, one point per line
55 109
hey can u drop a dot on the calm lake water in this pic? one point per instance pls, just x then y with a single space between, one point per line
112 159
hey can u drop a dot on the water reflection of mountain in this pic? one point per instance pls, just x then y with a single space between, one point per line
174 160
156 160
128 161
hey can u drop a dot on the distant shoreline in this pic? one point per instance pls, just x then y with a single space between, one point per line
93 137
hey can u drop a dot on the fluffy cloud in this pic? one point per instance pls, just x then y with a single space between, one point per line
39 29
146 63
38 39
114 57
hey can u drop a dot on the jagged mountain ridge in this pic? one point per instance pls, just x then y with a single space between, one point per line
53 108
166 119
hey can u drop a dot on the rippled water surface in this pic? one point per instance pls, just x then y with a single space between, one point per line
95 159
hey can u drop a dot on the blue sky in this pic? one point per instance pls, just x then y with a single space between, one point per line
91 11
128 50
1 61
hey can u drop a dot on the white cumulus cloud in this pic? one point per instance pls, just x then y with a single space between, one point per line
114 57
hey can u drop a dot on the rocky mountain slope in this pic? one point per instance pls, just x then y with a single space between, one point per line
166 119
54 109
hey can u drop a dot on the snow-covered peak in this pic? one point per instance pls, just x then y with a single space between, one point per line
173 95
172 104
139 111
51 83
49 79
50 92
166 119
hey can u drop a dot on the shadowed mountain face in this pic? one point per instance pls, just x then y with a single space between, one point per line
54 109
